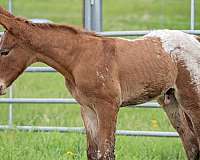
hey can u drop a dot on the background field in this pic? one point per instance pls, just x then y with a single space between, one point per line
118 15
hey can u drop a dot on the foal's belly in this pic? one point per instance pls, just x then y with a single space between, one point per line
146 88
146 83
140 93
145 71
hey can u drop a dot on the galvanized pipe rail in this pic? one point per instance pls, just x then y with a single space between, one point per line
134 33
82 130
138 33
64 101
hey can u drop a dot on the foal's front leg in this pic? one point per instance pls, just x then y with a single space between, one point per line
100 123
90 122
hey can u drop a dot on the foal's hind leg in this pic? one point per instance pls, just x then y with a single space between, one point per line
188 96
100 123
192 119
180 122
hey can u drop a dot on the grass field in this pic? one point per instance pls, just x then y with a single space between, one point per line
118 15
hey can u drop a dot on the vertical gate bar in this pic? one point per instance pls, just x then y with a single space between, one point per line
87 14
97 15
10 114
10 5
192 15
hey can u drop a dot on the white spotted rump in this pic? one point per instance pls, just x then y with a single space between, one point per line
184 47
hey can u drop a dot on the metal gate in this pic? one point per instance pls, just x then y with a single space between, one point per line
92 21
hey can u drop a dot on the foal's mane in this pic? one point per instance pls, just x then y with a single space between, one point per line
63 27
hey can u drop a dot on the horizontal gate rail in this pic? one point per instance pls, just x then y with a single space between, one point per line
82 130
135 33
40 69
139 33
64 101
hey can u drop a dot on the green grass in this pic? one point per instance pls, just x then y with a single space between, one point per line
118 15
58 146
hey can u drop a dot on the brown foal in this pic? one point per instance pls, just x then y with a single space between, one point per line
104 74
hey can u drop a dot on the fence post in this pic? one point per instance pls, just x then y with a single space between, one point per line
87 15
192 15
96 6
92 18
10 113
10 5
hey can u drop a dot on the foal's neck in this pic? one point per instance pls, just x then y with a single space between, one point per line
58 49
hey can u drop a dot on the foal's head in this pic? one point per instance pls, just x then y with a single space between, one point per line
23 43
15 55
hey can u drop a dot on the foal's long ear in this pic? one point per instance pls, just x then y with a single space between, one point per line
5 12
6 22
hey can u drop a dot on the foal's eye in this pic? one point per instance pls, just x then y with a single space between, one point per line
4 52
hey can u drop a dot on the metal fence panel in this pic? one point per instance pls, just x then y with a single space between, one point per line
92 21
